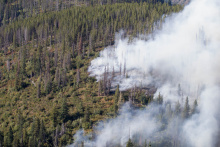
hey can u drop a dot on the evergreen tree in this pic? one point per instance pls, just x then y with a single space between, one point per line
25 138
77 77
177 108
54 116
8 137
39 88
20 127
23 61
16 142
149 145
42 133
195 105
64 110
186 110
145 143
87 114
10 134
116 99
159 99
36 127
129 143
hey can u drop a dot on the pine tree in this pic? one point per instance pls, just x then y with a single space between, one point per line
39 88
17 78
25 138
54 116
168 112
23 61
10 134
32 141
64 110
149 145
80 46
16 142
77 77
145 143
195 105
159 99
36 127
8 137
116 99
129 143
185 113
87 114
177 108
42 133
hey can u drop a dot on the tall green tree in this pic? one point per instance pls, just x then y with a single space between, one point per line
54 116
116 99
64 110
42 133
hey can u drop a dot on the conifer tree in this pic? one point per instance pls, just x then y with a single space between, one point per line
20 127
129 143
23 61
87 114
39 88
64 110
186 110
42 133
149 145
145 143
116 99
195 105
54 116
10 134
177 108
77 77
36 127
159 99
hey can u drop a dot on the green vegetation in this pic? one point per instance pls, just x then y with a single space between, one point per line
46 94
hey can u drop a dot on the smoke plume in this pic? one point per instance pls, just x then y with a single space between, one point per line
185 52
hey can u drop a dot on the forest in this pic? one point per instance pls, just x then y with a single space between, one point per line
46 93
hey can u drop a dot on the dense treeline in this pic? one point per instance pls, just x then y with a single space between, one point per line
171 120
16 9
76 31
45 92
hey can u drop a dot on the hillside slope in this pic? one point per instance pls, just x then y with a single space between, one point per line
46 94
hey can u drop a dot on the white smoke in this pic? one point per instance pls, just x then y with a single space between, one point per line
186 52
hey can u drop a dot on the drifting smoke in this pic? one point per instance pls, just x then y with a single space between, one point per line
186 52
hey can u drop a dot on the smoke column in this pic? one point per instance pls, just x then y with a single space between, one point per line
187 52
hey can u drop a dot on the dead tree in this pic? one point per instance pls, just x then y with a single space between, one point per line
8 64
